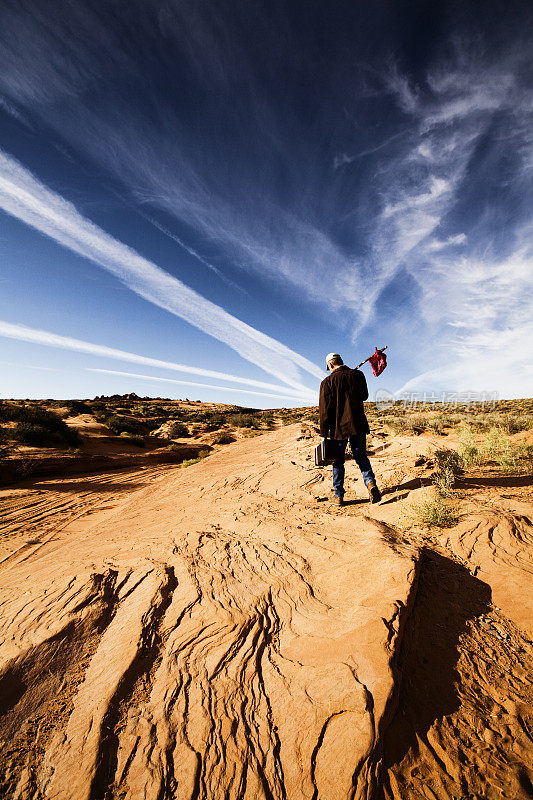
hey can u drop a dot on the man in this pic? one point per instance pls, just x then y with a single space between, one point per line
342 417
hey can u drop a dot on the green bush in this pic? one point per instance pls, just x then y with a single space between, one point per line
436 513
42 435
510 423
38 427
244 421
133 438
189 461
4 447
498 448
468 450
448 460
223 438
120 425
178 430
292 417
407 423
9 412
77 407
444 481
514 423
99 410
436 425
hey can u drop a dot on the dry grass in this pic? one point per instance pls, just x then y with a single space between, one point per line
190 461
438 513
495 448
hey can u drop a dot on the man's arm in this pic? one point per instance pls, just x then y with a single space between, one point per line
363 388
323 408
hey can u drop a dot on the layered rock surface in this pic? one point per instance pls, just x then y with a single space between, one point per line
215 632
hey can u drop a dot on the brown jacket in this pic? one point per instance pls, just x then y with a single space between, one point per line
341 404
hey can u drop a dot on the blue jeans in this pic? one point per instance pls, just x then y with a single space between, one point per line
358 448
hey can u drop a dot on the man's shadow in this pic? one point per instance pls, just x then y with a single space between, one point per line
447 597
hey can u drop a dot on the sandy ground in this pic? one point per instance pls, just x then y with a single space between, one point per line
224 631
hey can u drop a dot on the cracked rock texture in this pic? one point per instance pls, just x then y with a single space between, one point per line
215 632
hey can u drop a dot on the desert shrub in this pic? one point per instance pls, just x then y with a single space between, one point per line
223 438
178 429
514 423
40 428
449 420
77 407
448 465
51 433
510 423
498 448
313 416
243 421
417 422
154 411
396 424
10 412
410 422
448 460
292 417
133 438
4 447
189 461
389 422
444 481
438 512
436 425
120 425
524 452
468 451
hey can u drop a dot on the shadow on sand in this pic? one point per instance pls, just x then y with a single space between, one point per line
447 597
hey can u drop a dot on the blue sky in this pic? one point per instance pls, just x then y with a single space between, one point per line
202 199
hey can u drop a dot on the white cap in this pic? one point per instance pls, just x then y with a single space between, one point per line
333 357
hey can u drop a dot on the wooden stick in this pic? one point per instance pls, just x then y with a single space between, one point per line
369 357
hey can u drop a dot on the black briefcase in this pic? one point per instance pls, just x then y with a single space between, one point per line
326 452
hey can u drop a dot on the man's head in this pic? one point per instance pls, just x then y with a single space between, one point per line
333 360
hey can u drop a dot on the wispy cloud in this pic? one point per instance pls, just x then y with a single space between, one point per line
24 197
12 111
139 136
481 307
25 334
191 251
339 193
472 257
211 386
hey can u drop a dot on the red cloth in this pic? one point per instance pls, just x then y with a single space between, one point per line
378 362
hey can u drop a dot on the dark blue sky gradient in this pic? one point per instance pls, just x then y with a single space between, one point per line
336 175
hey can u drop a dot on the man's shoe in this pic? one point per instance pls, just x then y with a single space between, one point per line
373 492
339 501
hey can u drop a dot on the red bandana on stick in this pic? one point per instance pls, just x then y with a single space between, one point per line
378 362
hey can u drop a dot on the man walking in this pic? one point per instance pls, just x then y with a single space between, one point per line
342 417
